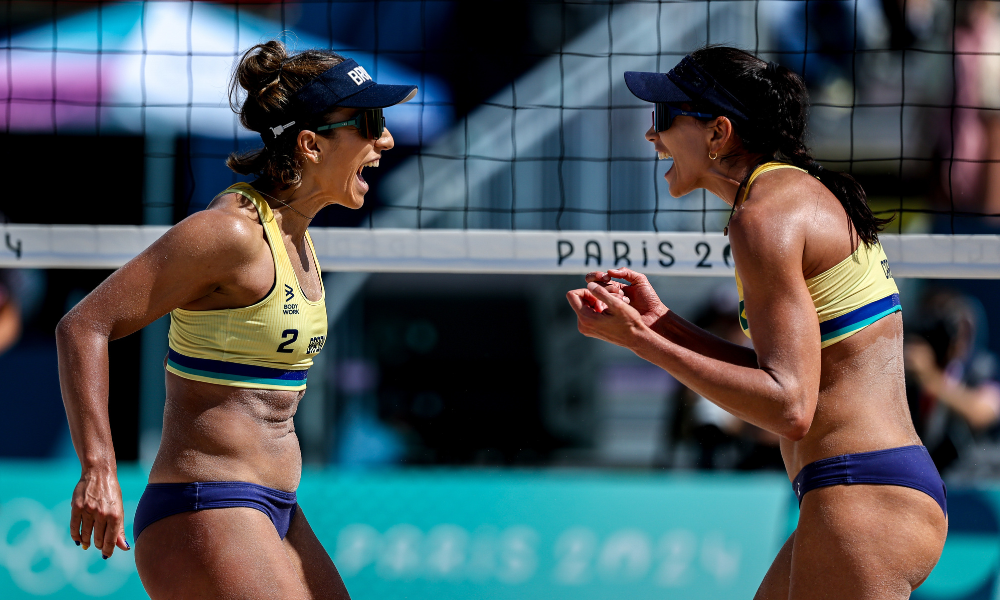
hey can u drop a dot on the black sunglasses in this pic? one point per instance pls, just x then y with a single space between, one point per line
370 123
664 115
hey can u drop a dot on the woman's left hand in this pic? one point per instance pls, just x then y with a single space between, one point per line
605 315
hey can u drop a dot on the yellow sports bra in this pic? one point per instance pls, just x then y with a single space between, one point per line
267 345
849 296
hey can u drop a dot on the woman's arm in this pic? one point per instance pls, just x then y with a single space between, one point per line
190 261
978 405
10 324
667 323
684 333
779 393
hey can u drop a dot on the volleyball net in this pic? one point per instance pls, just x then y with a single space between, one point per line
546 171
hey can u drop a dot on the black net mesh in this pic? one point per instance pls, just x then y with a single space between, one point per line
523 120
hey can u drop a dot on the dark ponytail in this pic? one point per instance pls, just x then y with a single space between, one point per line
269 78
777 104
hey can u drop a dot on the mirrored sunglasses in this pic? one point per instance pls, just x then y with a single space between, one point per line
664 115
370 123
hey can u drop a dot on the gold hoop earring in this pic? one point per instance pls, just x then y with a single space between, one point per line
713 157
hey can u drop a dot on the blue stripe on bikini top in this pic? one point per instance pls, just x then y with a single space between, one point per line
237 371
859 317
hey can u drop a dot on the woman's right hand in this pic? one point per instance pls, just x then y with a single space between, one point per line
638 293
97 510
206 252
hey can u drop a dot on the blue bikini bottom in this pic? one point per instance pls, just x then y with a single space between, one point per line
907 466
162 500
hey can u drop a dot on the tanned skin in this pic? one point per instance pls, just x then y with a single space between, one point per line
857 541
215 259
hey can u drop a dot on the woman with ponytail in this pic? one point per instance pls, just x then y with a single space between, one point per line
816 292
240 280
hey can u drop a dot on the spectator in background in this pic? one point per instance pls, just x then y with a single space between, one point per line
974 185
908 21
723 441
10 311
825 64
954 395
10 308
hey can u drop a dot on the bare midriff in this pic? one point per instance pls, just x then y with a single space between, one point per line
862 398
221 433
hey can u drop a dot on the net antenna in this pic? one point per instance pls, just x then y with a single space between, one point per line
551 174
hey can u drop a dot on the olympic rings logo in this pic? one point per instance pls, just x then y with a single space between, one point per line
42 559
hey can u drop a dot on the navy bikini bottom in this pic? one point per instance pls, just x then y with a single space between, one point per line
161 500
907 466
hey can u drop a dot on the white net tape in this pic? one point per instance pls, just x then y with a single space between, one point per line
484 251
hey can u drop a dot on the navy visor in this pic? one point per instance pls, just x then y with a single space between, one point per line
345 85
686 82
350 86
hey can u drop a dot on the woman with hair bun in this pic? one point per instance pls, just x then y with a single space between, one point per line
219 518
826 369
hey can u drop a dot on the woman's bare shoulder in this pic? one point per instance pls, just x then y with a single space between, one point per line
773 206
234 202
228 229
786 191
790 197
796 211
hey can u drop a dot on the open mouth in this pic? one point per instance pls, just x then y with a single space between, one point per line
373 163
663 155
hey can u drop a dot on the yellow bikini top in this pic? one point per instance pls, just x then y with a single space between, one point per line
849 296
267 345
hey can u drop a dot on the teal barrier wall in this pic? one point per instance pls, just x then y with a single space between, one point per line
498 535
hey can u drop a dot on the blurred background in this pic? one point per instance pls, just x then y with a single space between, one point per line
461 438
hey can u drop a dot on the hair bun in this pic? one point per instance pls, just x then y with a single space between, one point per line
261 67
269 77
